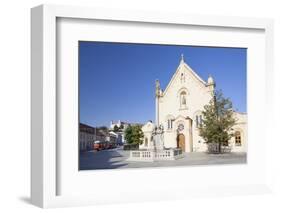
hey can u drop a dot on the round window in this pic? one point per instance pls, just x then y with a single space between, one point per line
180 127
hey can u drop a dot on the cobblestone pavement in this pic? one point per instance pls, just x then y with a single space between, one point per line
117 159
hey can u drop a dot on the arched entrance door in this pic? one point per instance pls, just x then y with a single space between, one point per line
181 142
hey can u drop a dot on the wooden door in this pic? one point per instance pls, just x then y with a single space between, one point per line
181 142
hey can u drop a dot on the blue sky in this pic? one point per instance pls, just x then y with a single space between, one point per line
117 80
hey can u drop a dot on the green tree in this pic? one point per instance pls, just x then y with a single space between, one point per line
104 128
121 126
218 120
134 135
115 128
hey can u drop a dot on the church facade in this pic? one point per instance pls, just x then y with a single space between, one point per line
179 111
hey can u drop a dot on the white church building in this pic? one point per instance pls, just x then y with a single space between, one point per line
179 110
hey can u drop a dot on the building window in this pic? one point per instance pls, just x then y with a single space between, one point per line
237 138
180 127
198 120
183 99
145 142
182 78
170 124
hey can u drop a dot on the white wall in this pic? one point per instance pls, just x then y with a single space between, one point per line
170 105
170 102
15 103
240 126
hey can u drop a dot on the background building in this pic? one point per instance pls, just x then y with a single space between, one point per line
119 127
88 135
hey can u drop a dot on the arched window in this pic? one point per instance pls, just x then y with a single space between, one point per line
145 142
183 99
198 120
238 138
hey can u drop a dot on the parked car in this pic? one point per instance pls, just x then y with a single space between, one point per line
98 145
107 145
111 145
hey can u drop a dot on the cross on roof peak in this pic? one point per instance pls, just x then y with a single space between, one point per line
182 58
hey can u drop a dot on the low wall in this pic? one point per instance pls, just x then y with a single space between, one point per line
159 155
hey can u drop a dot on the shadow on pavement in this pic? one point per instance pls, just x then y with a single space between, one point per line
105 159
117 158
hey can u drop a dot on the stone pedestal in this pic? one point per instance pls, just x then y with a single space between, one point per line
157 152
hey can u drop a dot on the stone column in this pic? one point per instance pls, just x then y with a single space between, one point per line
190 138
190 135
157 111
157 95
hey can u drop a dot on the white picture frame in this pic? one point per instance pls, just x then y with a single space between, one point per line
44 148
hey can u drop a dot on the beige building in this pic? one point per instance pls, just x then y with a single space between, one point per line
179 110
88 135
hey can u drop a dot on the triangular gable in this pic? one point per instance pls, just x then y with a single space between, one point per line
189 69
